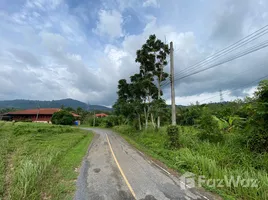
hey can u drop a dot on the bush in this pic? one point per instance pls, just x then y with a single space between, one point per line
62 118
125 129
257 140
106 122
209 128
257 127
173 137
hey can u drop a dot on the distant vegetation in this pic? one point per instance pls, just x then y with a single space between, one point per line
215 140
62 117
40 161
30 104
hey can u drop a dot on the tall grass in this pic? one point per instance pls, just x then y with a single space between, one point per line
214 161
31 160
30 172
5 139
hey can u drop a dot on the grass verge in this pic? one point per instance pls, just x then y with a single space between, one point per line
40 161
214 161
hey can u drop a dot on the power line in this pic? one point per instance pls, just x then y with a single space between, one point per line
242 42
224 52
231 58
236 88
253 36
248 51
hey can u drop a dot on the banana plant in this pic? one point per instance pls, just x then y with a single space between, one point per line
231 122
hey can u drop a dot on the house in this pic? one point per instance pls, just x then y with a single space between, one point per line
36 115
101 115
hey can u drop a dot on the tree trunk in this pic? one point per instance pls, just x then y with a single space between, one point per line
146 118
152 118
159 96
139 119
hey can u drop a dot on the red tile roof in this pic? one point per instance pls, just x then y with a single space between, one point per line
41 111
101 115
75 115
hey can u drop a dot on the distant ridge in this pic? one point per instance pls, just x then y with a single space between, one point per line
28 104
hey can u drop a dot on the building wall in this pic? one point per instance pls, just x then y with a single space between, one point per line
41 118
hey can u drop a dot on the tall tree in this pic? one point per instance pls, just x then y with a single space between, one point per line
143 91
153 58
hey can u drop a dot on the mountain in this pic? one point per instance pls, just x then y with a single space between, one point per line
28 104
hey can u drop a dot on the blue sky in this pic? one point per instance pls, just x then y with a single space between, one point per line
52 49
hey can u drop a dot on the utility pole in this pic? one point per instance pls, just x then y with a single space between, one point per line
94 122
37 114
221 96
173 105
94 119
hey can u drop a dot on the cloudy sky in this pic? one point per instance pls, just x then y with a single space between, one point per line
53 49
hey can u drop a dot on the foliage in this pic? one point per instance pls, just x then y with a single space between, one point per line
37 161
105 122
214 161
209 128
188 116
6 110
173 137
141 98
62 117
257 128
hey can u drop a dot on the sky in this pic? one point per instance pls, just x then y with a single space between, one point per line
55 49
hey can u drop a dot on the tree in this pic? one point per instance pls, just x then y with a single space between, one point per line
140 95
79 110
129 101
122 106
62 117
159 108
69 109
257 128
152 58
142 92
209 127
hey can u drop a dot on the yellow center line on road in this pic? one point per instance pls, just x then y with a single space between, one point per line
120 169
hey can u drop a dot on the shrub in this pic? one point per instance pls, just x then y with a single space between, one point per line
125 129
62 118
257 127
209 128
257 139
173 137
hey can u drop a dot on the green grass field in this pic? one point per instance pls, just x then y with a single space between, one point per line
214 161
40 161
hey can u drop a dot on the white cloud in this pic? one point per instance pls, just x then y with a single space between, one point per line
110 23
43 4
49 50
150 3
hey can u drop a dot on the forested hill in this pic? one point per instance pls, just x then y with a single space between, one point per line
28 104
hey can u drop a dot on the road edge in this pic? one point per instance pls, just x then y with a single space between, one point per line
81 183
162 166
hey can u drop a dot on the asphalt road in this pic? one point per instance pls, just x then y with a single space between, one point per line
113 170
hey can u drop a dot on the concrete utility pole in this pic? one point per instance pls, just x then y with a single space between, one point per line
221 96
94 122
37 114
173 105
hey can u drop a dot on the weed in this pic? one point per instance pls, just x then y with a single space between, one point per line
38 154
213 160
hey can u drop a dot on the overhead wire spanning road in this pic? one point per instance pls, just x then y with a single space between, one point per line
113 170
